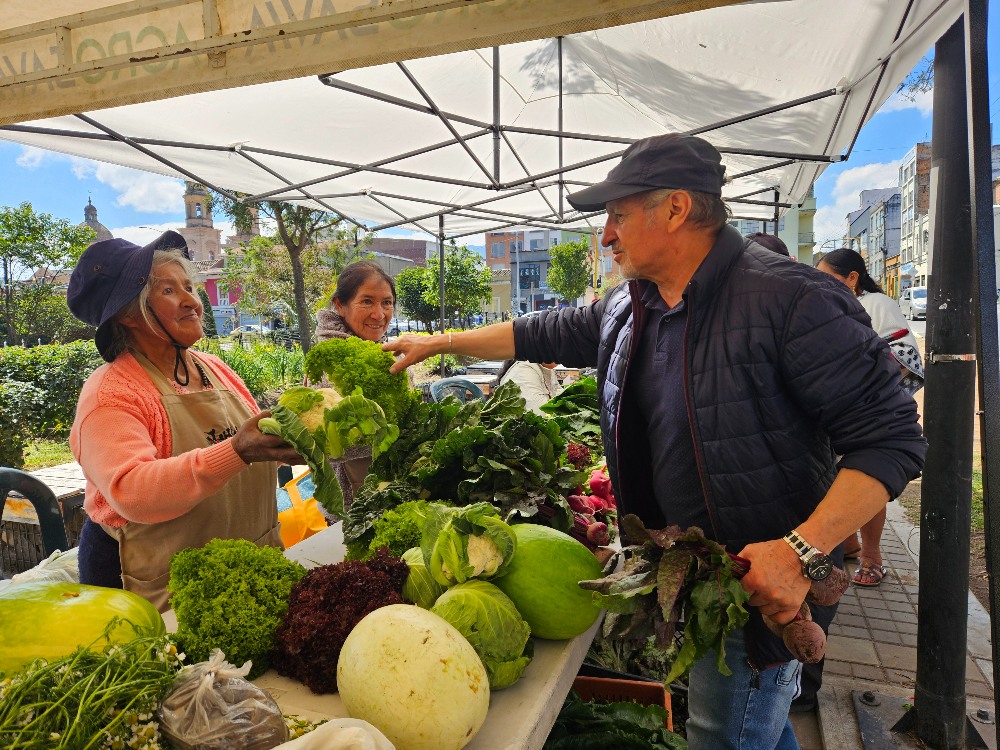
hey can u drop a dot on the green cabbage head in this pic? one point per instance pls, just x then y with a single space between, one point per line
491 623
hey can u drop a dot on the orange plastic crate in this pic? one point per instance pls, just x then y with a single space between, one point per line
608 690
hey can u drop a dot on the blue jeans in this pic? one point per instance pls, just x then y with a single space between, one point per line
746 711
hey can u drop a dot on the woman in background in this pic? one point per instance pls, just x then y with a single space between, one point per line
887 319
362 305
538 382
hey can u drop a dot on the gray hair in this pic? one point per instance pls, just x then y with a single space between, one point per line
121 336
707 211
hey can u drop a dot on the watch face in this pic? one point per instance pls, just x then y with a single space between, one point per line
819 567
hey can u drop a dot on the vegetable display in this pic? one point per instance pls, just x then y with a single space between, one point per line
543 581
231 595
670 576
45 620
491 623
323 609
321 424
101 696
462 454
354 363
463 543
414 677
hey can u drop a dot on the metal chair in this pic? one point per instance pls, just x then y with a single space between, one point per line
50 519
462 389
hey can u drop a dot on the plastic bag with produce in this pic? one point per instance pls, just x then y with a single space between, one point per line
212 707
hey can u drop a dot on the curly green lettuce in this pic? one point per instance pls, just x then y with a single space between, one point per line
231 595
353 363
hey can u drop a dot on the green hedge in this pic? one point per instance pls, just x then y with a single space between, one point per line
39 386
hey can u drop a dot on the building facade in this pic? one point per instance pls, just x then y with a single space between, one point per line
795 228
915 198
524 253
204 241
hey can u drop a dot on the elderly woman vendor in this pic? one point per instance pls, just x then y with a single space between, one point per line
167 438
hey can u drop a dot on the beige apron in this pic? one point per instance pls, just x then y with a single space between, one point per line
246 508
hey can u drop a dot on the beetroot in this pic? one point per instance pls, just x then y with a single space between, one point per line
830 589
598 534
580 504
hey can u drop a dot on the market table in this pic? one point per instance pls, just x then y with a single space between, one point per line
520 717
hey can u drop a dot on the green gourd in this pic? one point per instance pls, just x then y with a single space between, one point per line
49 620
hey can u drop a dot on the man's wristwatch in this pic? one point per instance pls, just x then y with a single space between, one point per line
815 563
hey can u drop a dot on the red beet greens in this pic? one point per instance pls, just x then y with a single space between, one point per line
669 577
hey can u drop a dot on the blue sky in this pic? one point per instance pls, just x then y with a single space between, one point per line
138 205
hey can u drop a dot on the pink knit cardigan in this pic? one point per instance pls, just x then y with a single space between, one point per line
121 438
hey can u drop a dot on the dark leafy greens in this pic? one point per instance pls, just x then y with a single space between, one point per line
672 576
463 454
578 412
597 726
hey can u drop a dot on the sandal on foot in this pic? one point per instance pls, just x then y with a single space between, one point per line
853 554
869 574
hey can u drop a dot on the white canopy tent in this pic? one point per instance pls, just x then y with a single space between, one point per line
496 137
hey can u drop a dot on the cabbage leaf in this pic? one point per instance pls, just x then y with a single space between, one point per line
420 587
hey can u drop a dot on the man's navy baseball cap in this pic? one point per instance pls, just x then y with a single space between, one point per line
674 161
108 276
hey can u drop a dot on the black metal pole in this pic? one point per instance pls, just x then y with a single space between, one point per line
562 185
946 495
496 114
988 349
441 277
777 195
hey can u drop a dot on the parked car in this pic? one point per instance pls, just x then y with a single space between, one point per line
913 303
250 329
402 325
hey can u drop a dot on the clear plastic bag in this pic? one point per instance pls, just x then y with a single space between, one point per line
213 707
58 567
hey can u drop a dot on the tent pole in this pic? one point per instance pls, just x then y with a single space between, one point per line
777 195
496 114
938 714
989 356
562 187
441 277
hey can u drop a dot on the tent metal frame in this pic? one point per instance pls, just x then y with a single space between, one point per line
481 210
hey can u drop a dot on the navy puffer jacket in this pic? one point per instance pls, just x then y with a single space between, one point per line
782 373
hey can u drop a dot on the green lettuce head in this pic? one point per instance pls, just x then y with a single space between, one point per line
491 623
463 543
420 587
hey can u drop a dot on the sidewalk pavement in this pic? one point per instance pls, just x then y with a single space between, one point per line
872 646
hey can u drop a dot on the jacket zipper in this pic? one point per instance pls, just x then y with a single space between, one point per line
699 460
636 320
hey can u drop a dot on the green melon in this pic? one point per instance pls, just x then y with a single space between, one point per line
543 582
50 620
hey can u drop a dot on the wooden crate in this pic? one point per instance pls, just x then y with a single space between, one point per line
606 690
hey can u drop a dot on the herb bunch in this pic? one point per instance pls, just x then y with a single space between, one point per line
672 576
90 700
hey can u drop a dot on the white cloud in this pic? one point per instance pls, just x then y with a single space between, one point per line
140 235
923 101
830 221
142 191
31 157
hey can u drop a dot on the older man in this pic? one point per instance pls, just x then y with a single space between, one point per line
730 378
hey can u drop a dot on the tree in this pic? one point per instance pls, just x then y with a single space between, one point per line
207 315
412 286
919 81
466 282
570 268
312 240
40 313
33 242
